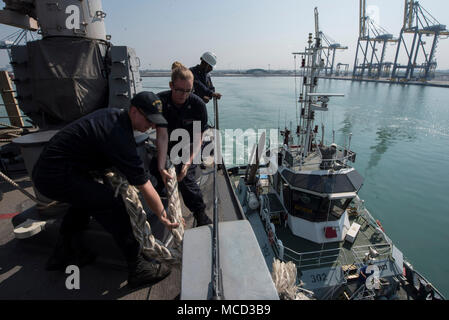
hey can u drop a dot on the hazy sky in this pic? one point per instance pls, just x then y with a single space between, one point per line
247 33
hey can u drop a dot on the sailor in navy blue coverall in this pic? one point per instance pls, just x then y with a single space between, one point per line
182 108
202 83
100 140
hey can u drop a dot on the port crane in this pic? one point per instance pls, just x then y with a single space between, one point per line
371 36
328 53
419 25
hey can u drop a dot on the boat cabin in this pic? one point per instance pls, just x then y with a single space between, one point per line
316 201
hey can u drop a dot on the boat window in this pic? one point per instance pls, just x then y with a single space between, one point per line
289 158
277 182
286 193
304 205
315 208
339 206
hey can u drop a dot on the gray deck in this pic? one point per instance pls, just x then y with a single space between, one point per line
22 273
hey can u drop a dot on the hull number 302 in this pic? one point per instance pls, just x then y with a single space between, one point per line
320 277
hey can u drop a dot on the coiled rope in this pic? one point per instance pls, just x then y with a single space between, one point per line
152 247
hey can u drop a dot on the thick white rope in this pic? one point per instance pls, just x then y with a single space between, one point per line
284 278
41 204
152 247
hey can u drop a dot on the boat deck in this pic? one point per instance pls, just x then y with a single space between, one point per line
308 254
334 253
22 272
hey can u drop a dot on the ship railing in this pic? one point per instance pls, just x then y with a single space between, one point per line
384 251
341 160
314 259
333 257
329 294
318 258
363 293
366 215
286 254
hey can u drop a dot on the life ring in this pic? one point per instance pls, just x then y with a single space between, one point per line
380 225
271 237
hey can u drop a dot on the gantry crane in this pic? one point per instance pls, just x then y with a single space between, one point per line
418 22
328 52
14 39
370 34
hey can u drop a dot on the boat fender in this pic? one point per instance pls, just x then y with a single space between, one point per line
281 249
253 203
271 233
271 237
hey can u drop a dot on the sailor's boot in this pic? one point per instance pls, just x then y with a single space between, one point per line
69 250
202 219
60 257
82 255
143 273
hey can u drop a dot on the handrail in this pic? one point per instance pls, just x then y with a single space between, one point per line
327 256
341 149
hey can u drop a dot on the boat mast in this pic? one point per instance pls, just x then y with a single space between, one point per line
310 83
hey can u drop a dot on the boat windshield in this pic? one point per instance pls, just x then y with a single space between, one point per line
315 208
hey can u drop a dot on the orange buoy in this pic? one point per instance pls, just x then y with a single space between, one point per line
271 237
380 225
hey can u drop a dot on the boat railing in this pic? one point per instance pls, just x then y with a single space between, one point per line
319 258
383 252
314 259
366 215
342 160
335 257
363 293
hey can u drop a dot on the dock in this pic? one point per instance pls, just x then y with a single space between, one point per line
430 83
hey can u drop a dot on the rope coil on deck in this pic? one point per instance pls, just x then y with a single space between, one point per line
152 247
284 278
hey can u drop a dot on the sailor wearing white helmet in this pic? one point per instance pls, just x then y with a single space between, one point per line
203 86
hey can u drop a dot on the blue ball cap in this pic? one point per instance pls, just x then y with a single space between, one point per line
150 105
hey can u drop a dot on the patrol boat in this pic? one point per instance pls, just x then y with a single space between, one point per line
302 202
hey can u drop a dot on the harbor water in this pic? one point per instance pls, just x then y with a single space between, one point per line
400 134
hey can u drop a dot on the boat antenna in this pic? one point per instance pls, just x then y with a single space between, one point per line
279 118
217 278
296 93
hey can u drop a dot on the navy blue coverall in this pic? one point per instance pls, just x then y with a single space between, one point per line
202 83
98 141
183 117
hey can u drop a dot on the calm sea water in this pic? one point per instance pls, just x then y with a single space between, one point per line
401 136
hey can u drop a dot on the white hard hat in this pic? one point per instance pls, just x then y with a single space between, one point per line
209 58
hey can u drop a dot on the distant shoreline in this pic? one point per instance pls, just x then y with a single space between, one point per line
222 74
442 83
